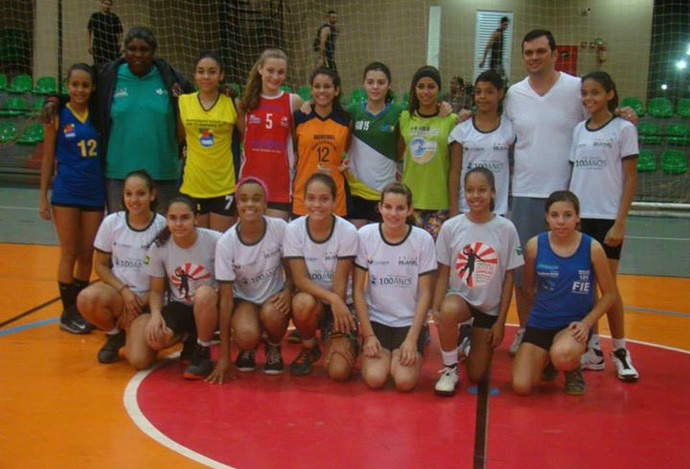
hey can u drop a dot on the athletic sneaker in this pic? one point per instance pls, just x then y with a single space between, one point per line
188 348
274 360
246 360
109 353
550 372
516 342
301 366
447 384
201 365
464 342
294 337
72 321
574 382
592 359
624 367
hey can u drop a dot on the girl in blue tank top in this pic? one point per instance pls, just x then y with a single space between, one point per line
562 269
78 195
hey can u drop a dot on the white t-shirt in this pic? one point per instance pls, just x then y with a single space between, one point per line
544 129
394 271
256 269
597 156
186 269
478 256
127 248
322 257
486 149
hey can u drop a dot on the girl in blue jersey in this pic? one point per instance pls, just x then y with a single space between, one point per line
78 194
561 266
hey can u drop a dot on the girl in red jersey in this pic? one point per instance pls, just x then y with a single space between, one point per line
265 118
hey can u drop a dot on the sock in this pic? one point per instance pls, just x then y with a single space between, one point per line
67 295
79 285
113 331
594 342
450 358
618 343
271 344
309 343
203 343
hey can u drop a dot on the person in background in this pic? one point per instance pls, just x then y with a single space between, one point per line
104 35
495 46
325 42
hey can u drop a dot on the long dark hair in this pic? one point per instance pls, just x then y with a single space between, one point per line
164 235
335 78
94 82
425 71
489 176
605 80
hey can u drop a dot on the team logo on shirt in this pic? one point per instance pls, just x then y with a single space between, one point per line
590 163
476 264
69 131
422 150
187 277
206 137
582 285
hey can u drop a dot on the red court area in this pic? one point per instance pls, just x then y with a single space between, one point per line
277 422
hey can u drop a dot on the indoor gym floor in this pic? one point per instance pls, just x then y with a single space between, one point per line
60 408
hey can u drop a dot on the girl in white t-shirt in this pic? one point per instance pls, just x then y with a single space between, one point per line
392 289
182 254
320 248
477 253
482 141
121 245
255 292
604 162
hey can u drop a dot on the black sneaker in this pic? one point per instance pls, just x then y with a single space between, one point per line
550 372
245 360
575 382
188 348
294 337
274 360
201 365
301 366
109 353
72 321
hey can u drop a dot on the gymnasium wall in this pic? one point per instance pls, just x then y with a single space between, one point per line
394 32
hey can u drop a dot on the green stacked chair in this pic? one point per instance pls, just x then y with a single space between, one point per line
287 88
646 162
32 134
236 88
678 133
14 106
649 132
358 96
3 82
304 92
46 85
683 109
660 107
37 106
635 103
405 99
21 84
394 97
63 90
8 131
674 162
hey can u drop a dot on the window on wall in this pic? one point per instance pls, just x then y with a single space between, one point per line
500 42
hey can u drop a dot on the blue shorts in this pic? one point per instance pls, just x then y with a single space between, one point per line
87 195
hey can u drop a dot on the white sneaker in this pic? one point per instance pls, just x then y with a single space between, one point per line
624 367
516 342
448 382
592 359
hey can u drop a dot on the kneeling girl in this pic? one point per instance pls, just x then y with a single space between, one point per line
392 303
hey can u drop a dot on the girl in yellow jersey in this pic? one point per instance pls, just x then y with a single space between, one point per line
206 120
322 137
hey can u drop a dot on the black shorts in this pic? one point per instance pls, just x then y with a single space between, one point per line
542 338
363 209
391 338
326 326
482 320
221 205
179 317
81 208
597 229
284 206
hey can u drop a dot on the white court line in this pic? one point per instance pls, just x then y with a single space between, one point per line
135 413
657 238
132 406
5 207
